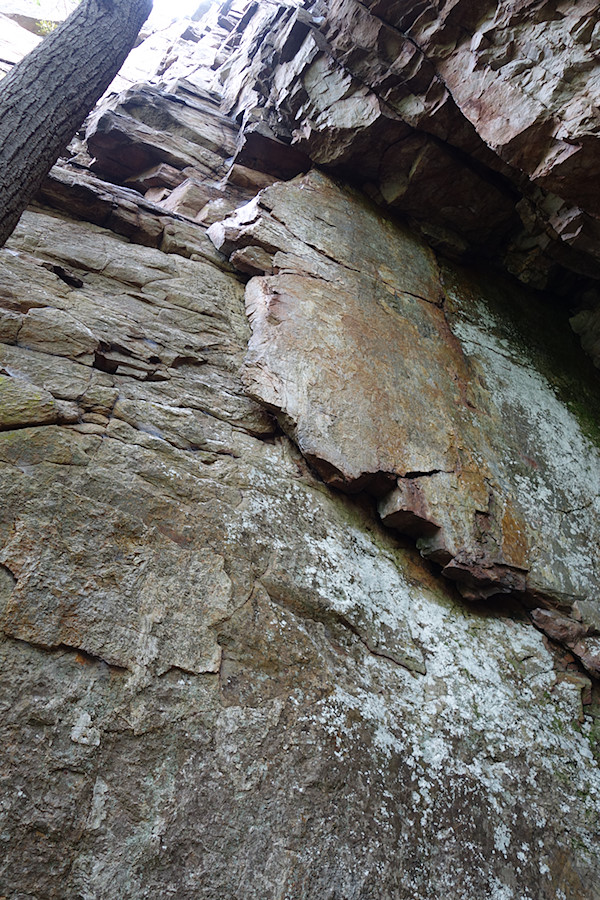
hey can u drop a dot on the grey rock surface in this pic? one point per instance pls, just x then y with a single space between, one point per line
222 676
475 121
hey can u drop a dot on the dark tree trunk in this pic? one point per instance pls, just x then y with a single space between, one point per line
46 97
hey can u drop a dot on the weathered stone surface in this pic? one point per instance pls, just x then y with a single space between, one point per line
475 121
397 371
121 150
55 331
220 677
23 404
188 198
150 766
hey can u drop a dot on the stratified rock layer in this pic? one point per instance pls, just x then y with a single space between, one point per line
477 121
227 670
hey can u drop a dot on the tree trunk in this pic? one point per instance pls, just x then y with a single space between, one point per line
46 97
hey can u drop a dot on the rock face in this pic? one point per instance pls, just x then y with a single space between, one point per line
476 121
392 367
299 535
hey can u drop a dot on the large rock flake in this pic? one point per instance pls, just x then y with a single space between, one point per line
392 370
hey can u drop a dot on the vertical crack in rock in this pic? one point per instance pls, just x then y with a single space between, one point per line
7 584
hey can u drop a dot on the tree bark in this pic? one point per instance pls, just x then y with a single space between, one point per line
46 97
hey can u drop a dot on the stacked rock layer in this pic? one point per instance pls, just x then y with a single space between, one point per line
299 542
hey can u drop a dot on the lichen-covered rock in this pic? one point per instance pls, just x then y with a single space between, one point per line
22 404
221 675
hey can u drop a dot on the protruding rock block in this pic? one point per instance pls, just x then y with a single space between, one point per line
394 377
23 404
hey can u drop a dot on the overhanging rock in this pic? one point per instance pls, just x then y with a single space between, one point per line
232 478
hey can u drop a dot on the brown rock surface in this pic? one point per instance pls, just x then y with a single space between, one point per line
385 368
220 677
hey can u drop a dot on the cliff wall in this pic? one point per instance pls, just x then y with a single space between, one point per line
299 453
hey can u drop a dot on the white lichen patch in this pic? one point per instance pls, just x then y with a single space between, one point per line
323 561
83 732
501 838
485 745
476 726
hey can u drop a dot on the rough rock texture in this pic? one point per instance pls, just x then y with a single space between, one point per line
299 532
393 367
476 121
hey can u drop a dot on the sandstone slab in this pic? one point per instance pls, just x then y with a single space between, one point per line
392 371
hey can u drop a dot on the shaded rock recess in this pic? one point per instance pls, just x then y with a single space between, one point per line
299 450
